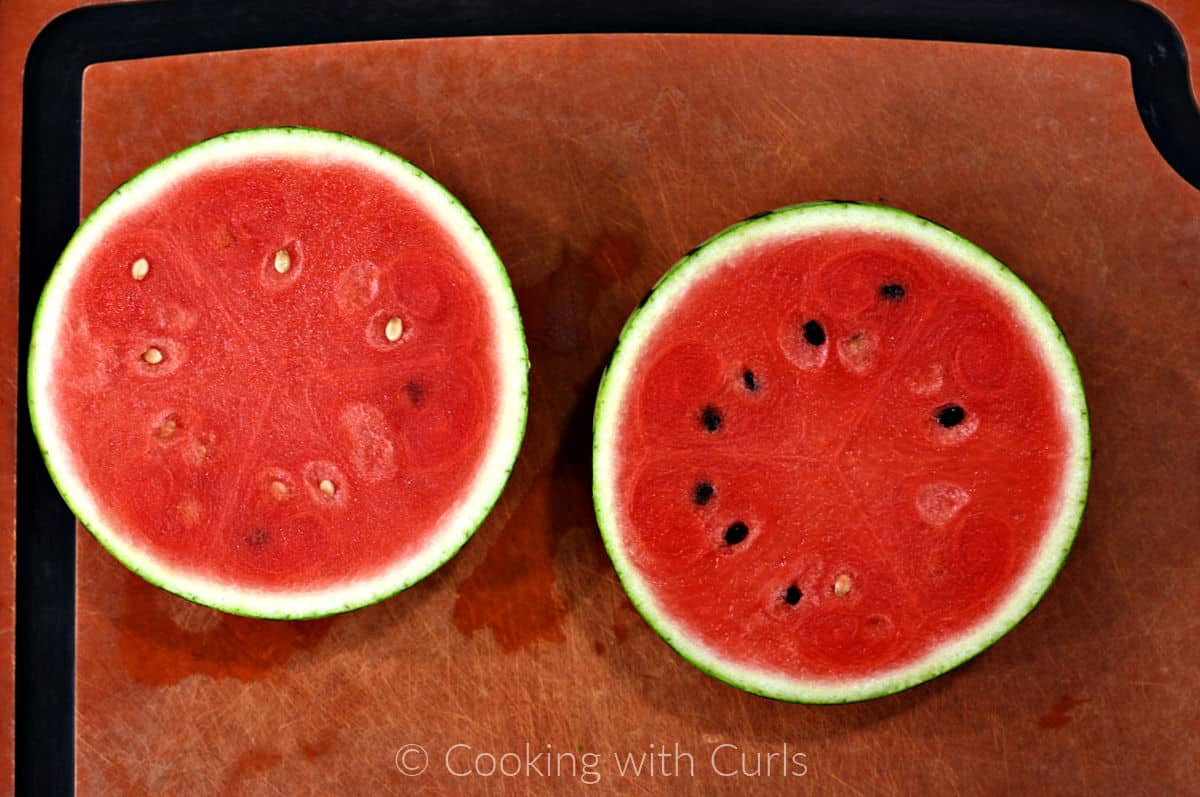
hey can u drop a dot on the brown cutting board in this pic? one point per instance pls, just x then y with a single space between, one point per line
594 163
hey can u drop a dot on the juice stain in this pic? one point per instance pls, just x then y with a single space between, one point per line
1060 713
157 649
248 764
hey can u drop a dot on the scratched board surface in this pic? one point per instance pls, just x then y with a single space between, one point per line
594 163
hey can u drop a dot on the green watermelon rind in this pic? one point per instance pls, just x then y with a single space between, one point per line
514 355
1046 564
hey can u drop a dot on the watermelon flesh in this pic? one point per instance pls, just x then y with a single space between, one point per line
834 454
282 376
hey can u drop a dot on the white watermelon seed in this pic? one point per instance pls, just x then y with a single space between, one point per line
167 428
327 487
139 269
394 329
283 261
152 356
842 585
279 490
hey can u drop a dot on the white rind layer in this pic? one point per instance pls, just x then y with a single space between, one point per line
508 427
791 222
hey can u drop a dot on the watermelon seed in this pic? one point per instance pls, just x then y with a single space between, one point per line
394 329
139 269
168 427
793 595
814 333
258 538
279 490
283 261
892 292
842 585
703 493
416 393
327 487
736 533
152 356
710 416
950 415
749 380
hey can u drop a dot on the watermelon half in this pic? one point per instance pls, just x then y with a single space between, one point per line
838 451
281 373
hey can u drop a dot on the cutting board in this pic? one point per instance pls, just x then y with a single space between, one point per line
594 162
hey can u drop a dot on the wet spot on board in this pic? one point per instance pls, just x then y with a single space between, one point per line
598 646
250 763
558 309
1059 714
511 592
319 746
158 650
620 631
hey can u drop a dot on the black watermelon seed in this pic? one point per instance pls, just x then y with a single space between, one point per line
258 538
710 416
749 380
703 493
814 333
793 595
736 533
950 415
892 292
416 393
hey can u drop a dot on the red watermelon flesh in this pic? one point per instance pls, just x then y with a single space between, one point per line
282 374
836 453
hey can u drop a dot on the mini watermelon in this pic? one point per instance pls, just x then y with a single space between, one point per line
280 373
839 450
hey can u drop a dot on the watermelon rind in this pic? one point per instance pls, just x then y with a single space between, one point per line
508 428
798 220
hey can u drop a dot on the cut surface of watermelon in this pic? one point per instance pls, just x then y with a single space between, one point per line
281 373
838 451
